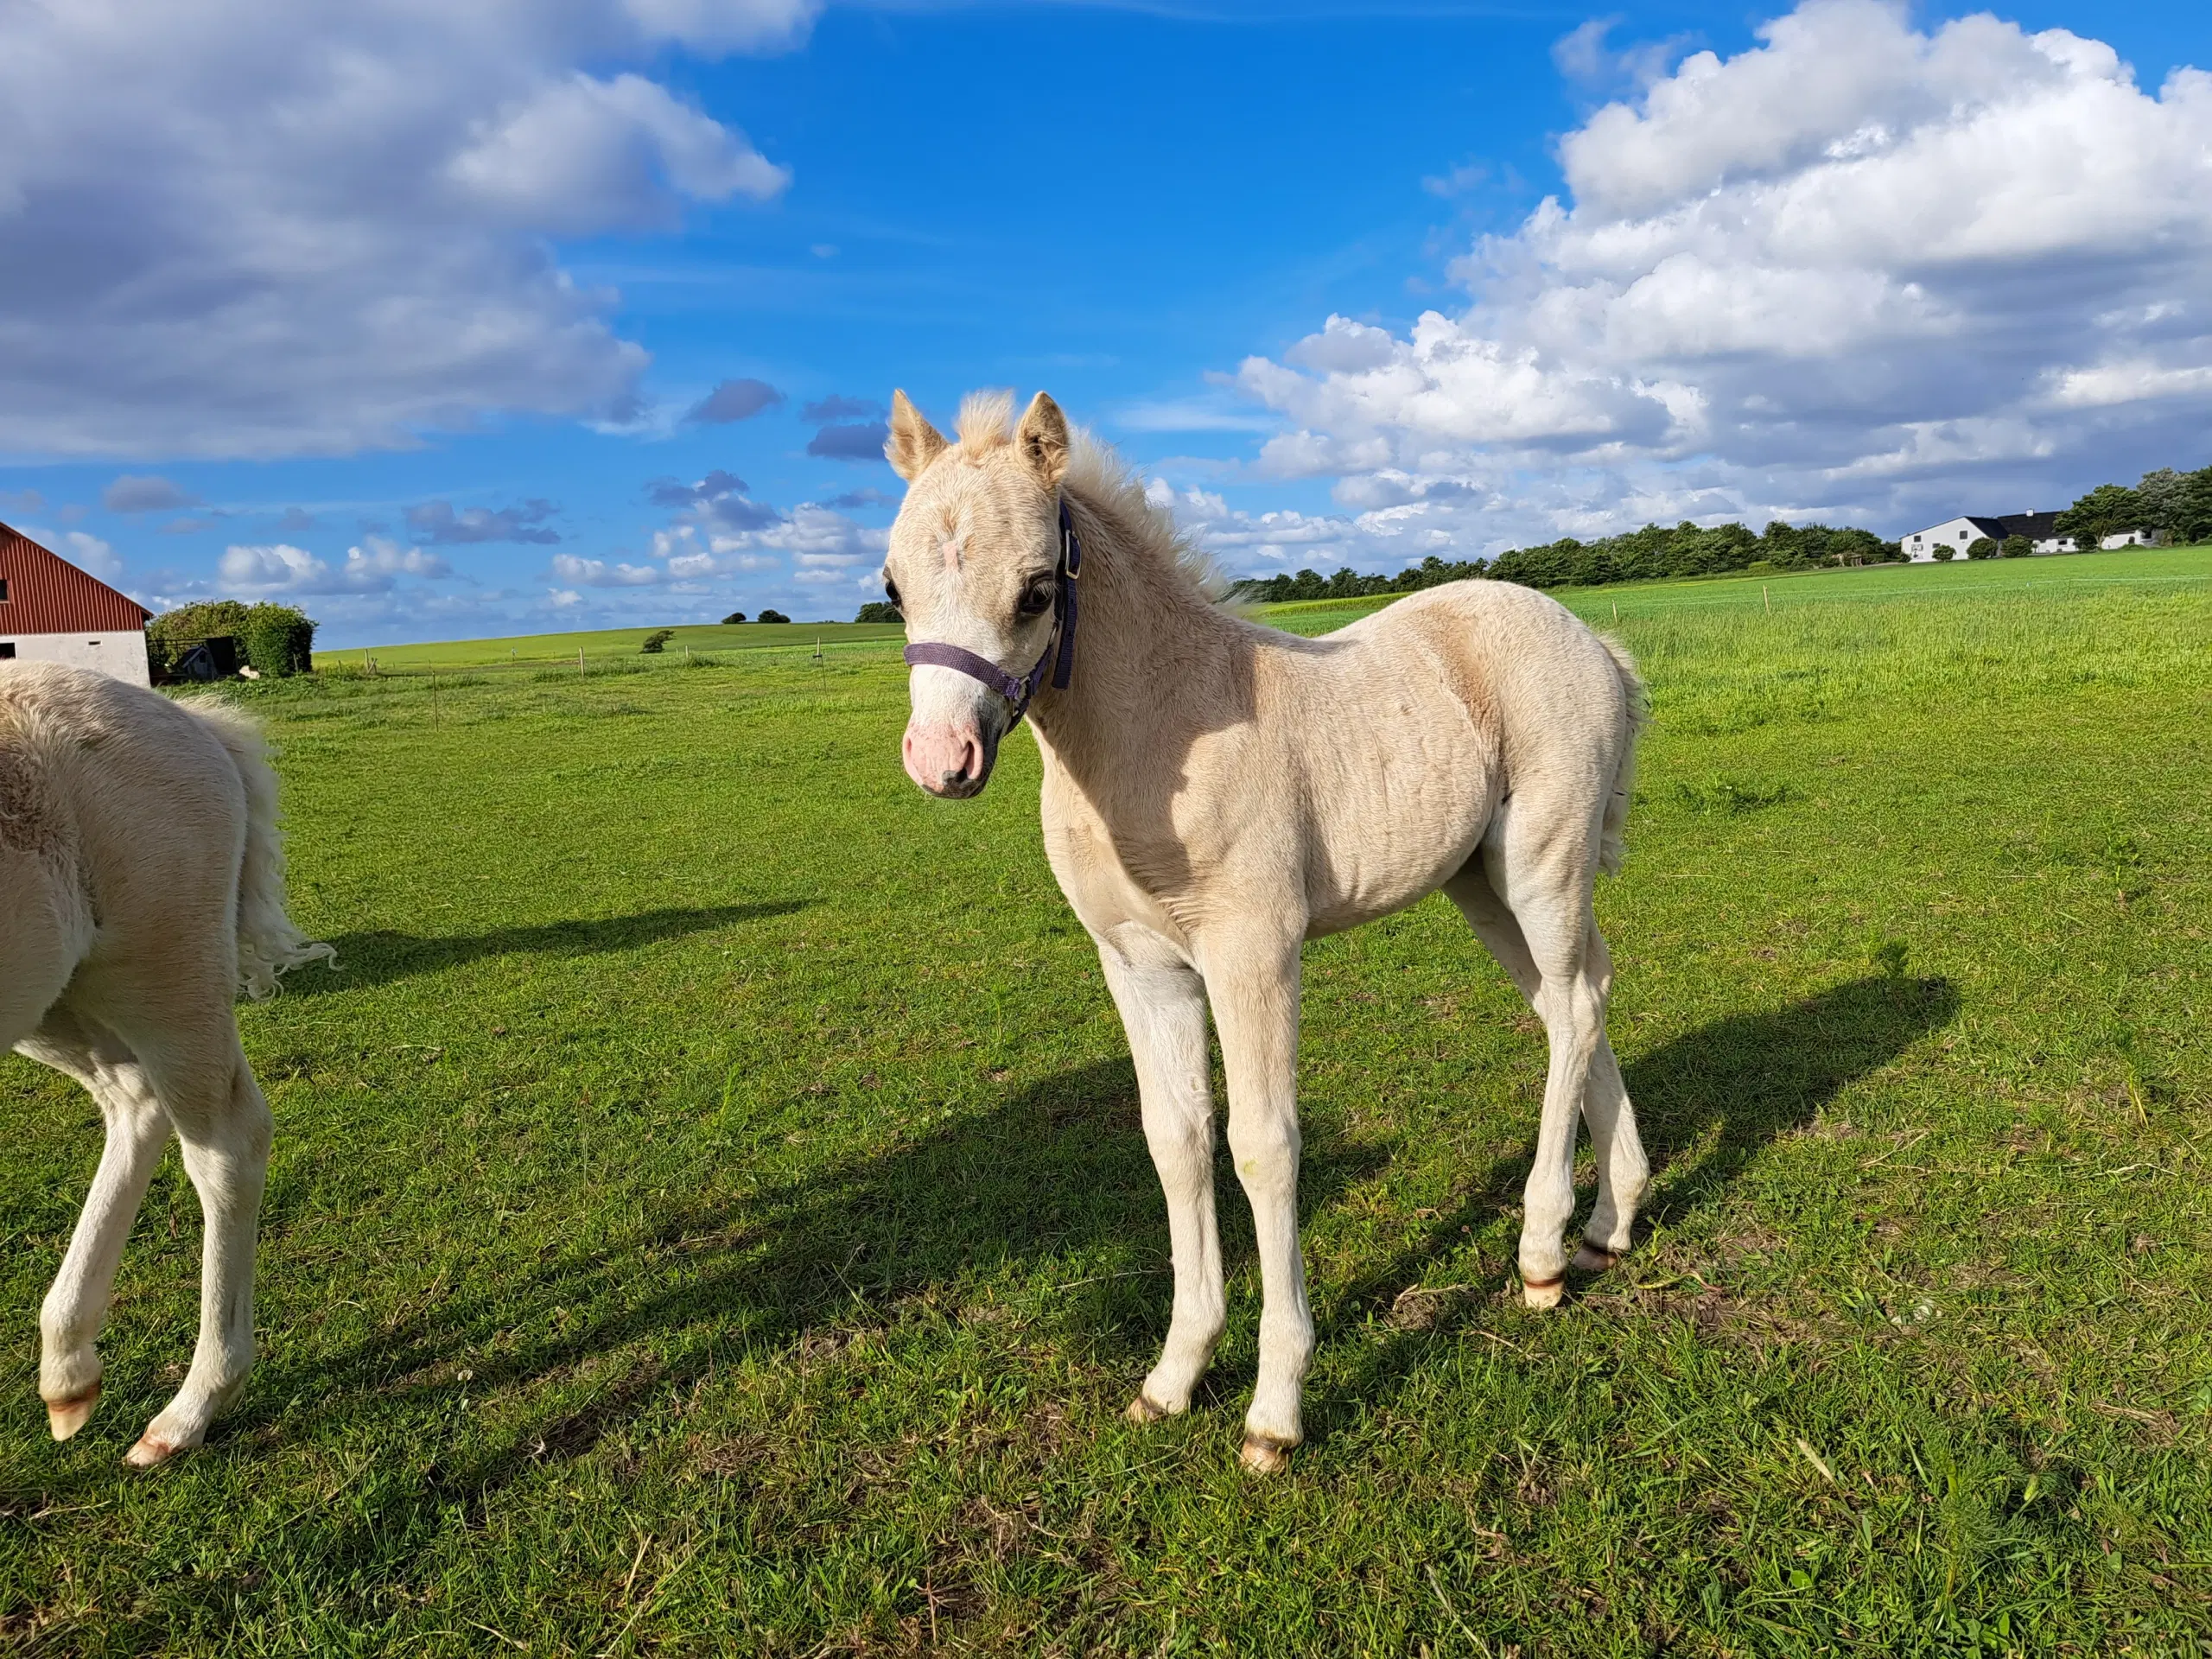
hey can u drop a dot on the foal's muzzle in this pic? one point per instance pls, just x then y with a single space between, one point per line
951 763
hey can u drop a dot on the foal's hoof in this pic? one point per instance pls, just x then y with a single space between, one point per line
150 1451
1143 1410
66 1417
1543 1292
1593 1258
1263 1456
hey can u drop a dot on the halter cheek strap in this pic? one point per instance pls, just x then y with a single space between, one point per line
1060 650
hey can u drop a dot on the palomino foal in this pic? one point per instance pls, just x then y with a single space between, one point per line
1216 794
142 886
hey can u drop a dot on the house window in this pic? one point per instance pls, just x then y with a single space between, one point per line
1962 535
7 650
3 590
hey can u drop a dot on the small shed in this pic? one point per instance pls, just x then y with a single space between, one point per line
52 612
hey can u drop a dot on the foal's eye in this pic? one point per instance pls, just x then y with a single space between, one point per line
891 590
1036 598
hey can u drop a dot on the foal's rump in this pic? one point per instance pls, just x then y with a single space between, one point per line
157 818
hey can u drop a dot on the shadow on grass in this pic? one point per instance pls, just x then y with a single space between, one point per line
382 955
1059 1169
612 1330
1738 1084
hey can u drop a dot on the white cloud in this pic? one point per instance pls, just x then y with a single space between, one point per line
265 228
273 568
598 573
371 567
280 567
582 154
1858 270
815 544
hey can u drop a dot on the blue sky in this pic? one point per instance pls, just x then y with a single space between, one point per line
419 343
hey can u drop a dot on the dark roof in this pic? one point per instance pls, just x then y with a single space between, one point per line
49 594
2036 527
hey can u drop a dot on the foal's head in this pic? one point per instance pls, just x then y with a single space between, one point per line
974 560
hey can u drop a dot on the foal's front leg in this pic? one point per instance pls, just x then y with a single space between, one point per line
1162 1003
1253 982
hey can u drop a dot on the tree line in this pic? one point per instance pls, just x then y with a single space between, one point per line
1642 555
2176 507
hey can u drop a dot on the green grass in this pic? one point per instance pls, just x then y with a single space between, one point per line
709 1212
618 645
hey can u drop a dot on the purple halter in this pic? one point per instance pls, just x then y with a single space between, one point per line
1060 650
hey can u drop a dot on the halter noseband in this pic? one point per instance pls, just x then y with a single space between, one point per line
1060 650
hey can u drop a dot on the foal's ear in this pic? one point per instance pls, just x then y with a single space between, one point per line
1042 438
914 442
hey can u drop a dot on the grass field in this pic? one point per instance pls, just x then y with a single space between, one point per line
607 646
709 1212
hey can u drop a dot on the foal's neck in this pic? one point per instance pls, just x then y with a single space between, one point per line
1152 652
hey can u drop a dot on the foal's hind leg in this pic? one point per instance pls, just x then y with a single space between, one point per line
224 1126
76 1307
1623 1171
1541 863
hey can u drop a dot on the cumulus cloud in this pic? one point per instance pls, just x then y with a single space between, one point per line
815 544
838 407
355 250
1859 270
849 442
735 400
719 501
280 567
847 499
144 493
598 573
437 523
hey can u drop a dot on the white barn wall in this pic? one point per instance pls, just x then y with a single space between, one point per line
121 653
1957 534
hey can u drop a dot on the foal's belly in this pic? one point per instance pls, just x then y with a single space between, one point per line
1394 815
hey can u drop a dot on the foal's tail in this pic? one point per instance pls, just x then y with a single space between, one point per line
1637 704
267 943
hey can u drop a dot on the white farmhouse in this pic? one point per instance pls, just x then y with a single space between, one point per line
50 611
1959 534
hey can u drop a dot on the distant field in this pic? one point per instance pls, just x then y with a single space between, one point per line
1957 580
709 1212
551 650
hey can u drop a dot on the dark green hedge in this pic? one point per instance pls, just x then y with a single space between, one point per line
277 640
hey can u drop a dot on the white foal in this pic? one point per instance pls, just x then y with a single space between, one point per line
142 885
1217 792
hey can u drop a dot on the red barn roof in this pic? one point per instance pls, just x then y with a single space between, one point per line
46 593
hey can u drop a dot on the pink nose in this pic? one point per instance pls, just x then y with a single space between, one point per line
944 761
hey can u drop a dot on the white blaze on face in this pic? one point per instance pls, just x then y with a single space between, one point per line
957 721
964 554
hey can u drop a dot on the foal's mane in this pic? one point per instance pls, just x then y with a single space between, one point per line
1099 478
